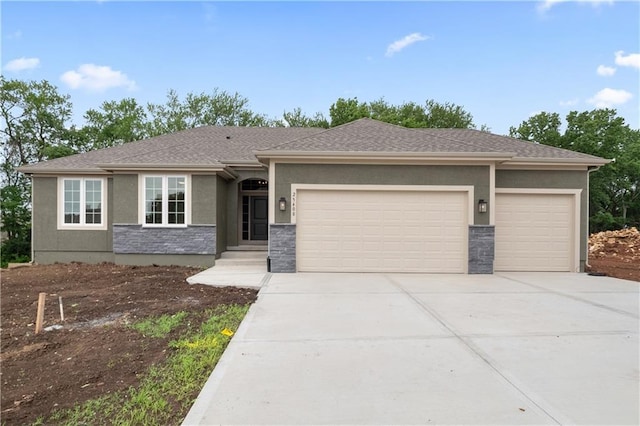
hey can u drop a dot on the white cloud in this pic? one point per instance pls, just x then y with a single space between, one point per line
631 60
22 64
404 42
570 102
545 5
96 78
607 98
605 71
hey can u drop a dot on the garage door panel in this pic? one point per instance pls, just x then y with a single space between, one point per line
534 232
403 231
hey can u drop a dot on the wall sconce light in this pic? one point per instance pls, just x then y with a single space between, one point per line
482 206
283 204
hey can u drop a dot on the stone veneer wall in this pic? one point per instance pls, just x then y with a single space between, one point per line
481 249
282 247
193 239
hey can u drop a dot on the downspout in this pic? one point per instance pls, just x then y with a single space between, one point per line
33 252
586 258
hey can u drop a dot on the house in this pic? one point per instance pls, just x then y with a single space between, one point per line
366 196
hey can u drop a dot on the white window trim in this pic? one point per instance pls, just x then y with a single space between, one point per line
82 226
165 212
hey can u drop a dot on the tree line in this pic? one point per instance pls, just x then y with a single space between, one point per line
36 126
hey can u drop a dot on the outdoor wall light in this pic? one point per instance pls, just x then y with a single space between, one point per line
482 206
283 204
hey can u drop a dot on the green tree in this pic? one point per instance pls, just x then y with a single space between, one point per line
347 110
115 123
297 118
16 224
33 128
219 108
614 197
409 114
34 117
541 127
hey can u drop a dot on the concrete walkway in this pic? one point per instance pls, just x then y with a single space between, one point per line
247 269
510 348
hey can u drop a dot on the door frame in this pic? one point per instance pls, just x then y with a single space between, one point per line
576 194
249 193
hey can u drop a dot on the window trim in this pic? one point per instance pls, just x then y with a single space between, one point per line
102 226
165 212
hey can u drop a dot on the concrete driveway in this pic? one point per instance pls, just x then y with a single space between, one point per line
510 348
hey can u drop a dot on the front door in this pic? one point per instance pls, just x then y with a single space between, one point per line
254 211
259 218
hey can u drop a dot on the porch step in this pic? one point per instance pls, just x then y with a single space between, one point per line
247 248
243 258
244 255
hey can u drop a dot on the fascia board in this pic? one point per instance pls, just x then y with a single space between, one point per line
187 168
523 161
58 171
410 156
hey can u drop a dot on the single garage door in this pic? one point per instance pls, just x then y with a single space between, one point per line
381 231
534 232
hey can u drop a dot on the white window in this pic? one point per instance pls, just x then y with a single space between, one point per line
82 203
165 200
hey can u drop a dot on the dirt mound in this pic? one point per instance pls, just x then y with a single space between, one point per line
621 243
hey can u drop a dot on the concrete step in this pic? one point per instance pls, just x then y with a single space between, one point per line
262 247
240 262
244 255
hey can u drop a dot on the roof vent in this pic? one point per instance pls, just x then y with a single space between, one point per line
228 137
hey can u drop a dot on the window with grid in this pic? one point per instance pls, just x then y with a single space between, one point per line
82 202
165 200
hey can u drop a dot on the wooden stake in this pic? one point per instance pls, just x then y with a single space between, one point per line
61 310
40 316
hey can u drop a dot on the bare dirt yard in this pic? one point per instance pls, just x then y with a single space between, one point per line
96 352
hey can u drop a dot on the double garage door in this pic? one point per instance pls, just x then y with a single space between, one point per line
382 231
427 231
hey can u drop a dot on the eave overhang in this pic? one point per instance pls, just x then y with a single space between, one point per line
62 171
505 159
399 157
219 169
586 162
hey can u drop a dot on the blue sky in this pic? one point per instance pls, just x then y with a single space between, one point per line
502 61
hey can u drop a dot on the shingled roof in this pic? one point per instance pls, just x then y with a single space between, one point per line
367 135
210 146
216 147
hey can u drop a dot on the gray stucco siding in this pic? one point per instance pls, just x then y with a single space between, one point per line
126 202
203 199
221 215
47 236
553 179
287 174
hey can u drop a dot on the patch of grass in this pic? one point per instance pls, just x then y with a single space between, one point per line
166 391
159 326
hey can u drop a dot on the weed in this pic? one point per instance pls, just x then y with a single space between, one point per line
166 391
159 326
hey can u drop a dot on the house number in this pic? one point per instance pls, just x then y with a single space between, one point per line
293 204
